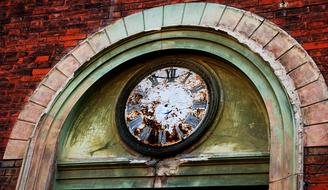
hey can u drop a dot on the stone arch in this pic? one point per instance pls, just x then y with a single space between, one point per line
294 68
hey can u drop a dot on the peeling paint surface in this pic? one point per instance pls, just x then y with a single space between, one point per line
242 128
167 106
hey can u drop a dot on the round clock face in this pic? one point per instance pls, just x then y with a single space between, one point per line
166 108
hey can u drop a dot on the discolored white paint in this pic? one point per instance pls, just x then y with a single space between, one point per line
167 106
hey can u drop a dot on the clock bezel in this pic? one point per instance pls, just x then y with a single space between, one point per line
214 99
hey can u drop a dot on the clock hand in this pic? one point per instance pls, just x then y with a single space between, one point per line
168 112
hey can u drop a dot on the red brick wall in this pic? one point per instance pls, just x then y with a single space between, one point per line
35 35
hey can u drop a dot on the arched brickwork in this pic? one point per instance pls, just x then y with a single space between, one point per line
296 70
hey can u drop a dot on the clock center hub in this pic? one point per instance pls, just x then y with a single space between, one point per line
172 104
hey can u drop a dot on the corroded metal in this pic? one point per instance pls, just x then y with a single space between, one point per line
167 106
243 126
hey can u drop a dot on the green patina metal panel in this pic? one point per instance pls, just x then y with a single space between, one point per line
243 125
213 172
103 144
173 14
240 131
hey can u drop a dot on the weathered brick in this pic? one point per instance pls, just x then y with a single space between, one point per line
116 31
42 95
230 18
153 18
313 116
73 37
31 112
293 58
304 75
55 80
173 14
68 65
279 45
315 151
134 23
22 130
248 24
99 41
315 45
83 52
318 178
193 13
43 58
40 71
7 163
316 135
15 149
315 159
70 43
264 33
212 14
73 31
316 169
323 186
313 92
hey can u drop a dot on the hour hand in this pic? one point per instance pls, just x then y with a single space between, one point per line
168 112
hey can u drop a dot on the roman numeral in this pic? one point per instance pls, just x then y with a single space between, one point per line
135 123
170 74
179 132
162 137
197 88
131 107
186 78
153 80
145 133
192 120
199 105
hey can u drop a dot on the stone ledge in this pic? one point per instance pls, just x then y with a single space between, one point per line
68 65
55 79
265 33
134 23
193 13
313 116
153 18
83 52
42 95
173 14
293 58
230 18
317 88
99 41
22 130
15 149
316 135
212 15
116 31
248 24
279 45
303 75
31 112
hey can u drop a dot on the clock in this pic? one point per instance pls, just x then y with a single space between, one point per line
167 106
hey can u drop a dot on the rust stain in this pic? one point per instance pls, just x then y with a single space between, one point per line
175 121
